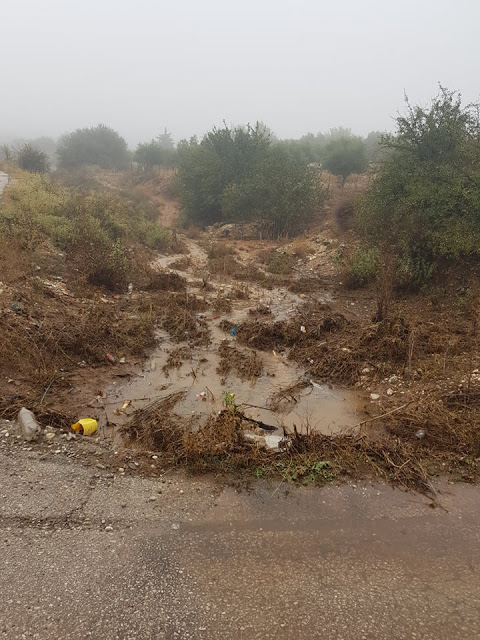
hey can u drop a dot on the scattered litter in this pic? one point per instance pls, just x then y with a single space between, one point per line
49 436
390 392
124 406
130 288
420 434
73 390
110 357
122 360
202 395
28 424
273 441
85 426
234 330
374 396
303 329
293 313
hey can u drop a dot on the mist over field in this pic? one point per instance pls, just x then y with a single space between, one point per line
298 66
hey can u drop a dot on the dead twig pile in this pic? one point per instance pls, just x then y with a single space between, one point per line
246 366
157 427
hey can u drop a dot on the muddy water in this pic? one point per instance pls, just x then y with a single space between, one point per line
318 407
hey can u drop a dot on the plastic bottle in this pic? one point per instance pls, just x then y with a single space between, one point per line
28 424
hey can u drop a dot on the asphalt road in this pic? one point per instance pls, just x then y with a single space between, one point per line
87 553
3 181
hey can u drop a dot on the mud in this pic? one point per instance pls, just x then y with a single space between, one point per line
206 372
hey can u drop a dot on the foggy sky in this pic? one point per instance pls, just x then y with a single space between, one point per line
297 65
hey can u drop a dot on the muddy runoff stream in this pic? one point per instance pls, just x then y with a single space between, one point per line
282 397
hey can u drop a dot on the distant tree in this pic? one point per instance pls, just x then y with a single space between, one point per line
164 140
282 193
206 168
29 158
338 133
98 145
237 175
47 145
373 146
344 156
159 152
6 153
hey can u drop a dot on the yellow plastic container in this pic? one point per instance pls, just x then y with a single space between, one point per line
85 426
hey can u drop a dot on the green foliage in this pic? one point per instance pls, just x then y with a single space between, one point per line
229 402
361 268
345 155
98 145
94 228
29 158
300 470
280 263
165 140
236 175
282 193
153 154
424 205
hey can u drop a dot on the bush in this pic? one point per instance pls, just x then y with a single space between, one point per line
29 158
424 205
98 145
344 156
361 268
280 263
236 175
94 229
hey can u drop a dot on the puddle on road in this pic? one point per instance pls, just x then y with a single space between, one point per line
318 407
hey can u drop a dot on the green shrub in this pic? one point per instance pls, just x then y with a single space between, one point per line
361 268
424 204
95 229
237 175
280 263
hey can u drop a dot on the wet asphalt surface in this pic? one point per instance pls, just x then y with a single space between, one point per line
90 554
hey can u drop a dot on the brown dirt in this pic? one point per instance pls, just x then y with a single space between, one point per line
422 361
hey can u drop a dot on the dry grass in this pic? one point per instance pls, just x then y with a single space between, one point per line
39 344
158 428
220 446
246 365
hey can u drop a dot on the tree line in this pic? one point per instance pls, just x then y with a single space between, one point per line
420 214
339 151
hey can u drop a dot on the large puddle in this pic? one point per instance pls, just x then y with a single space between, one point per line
282 397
